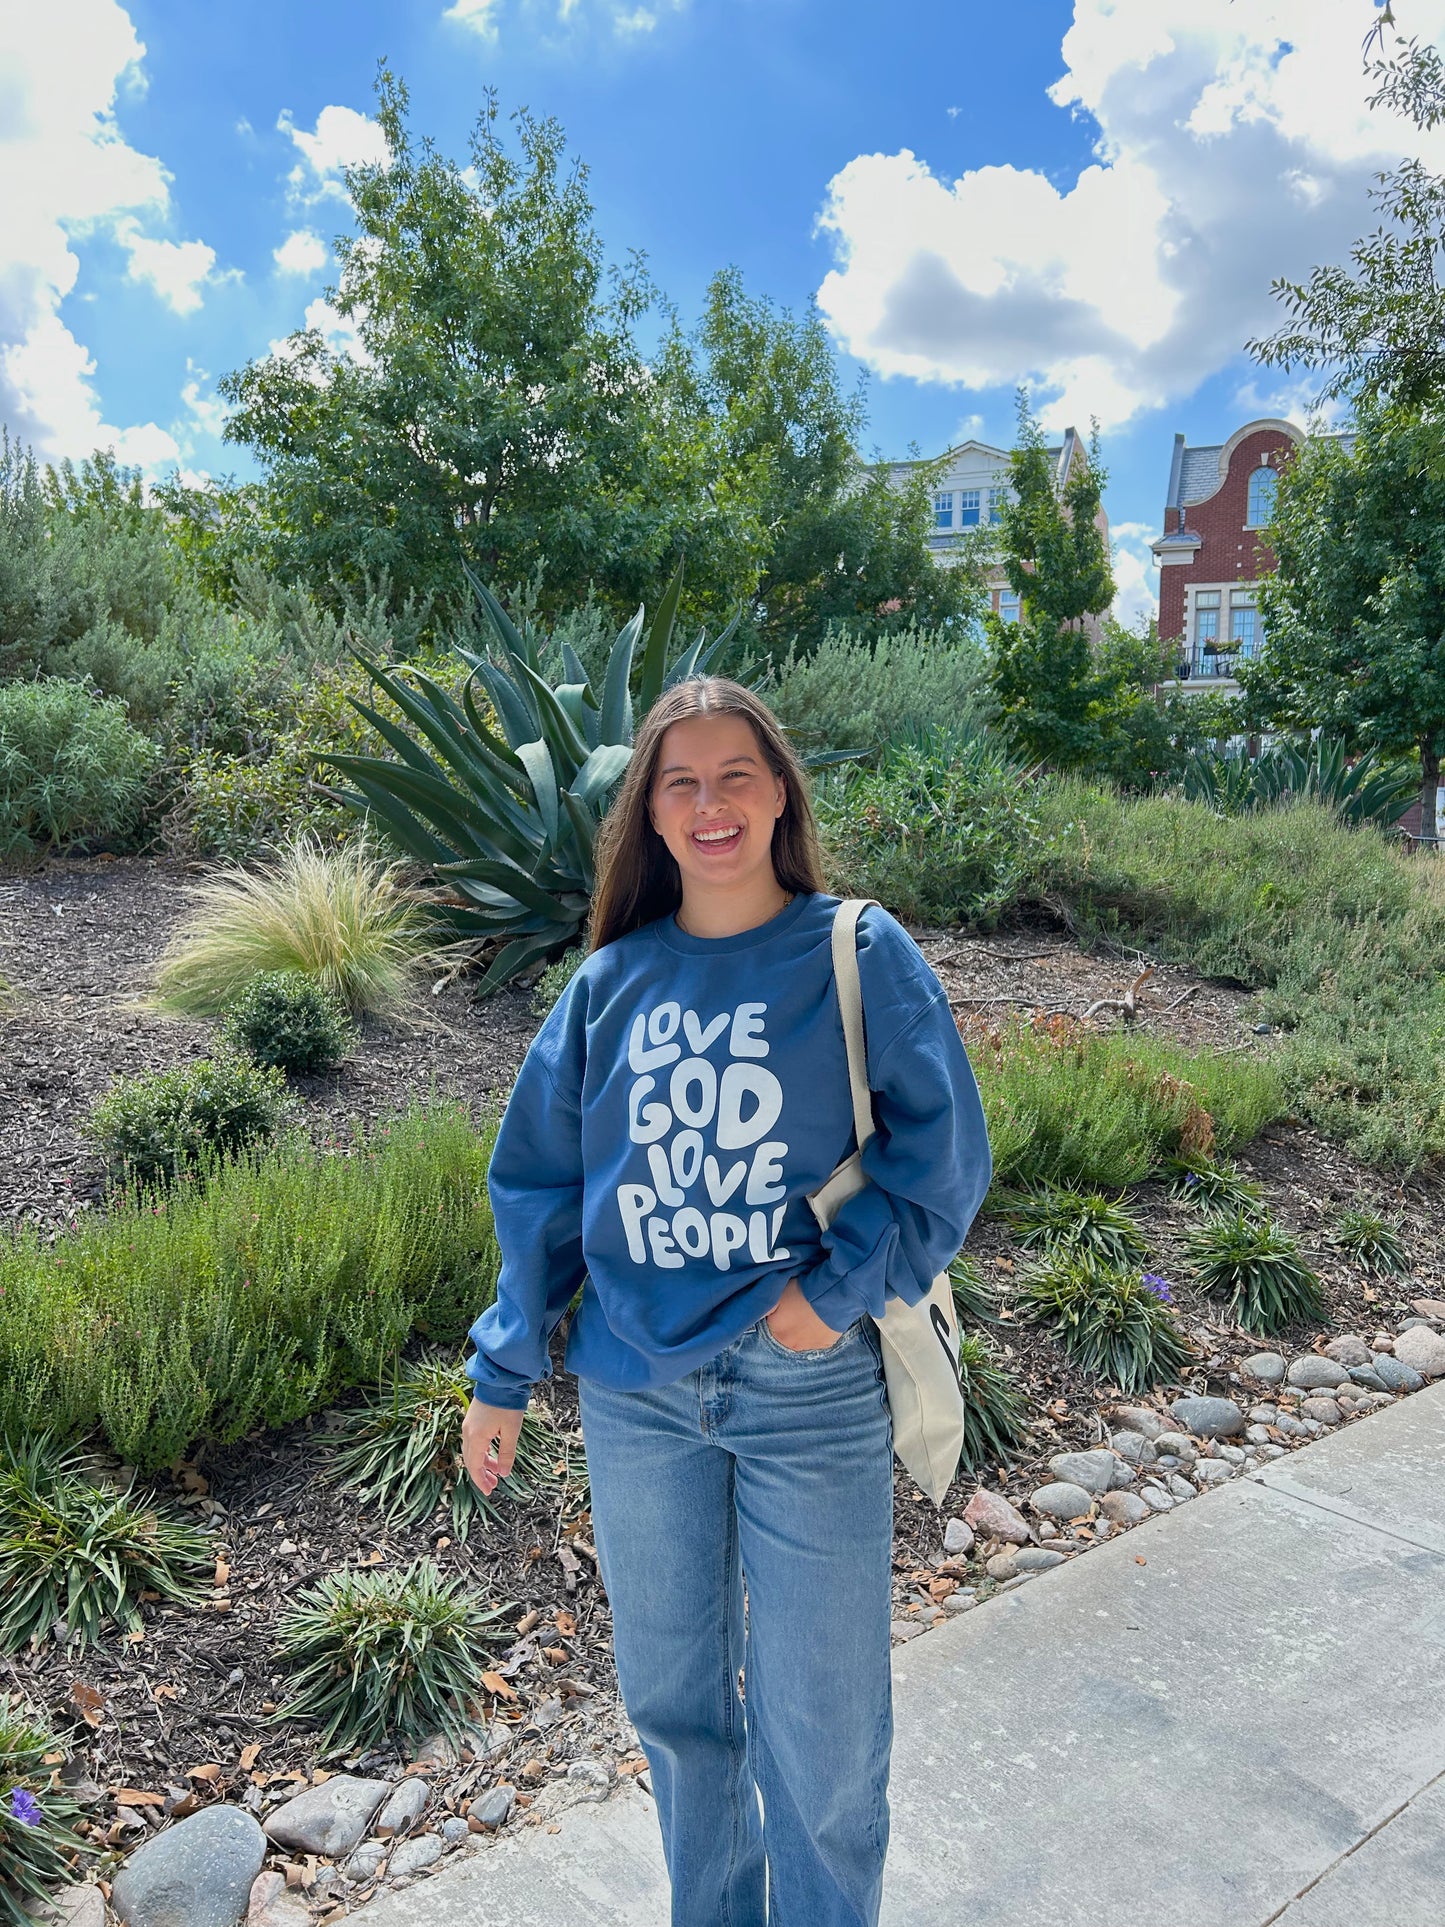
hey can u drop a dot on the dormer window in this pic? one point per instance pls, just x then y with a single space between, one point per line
943 510
1263 490
970 502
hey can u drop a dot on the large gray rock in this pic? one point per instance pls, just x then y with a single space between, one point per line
1062 1500
1395 1375
1155 1497
405 1807
1213 1471
1267 1367
1348 1351
1037 1559
414 1856
1209 1418
1141 1419
1133 1447
197 1873
1422 1350
1367 1376
1324 1410
1175 1449
492 1809
1094 1471
1123 1508
331 1818
992 1517
1315 1374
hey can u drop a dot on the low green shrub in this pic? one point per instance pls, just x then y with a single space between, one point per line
940 833
972 1298
995 1411
1259 1269
39 1844
150 1129
1213 1183
290 1023
853 693
401 1450
387 1655
339 916
251 1300
555 979
71 767
1072 1106
79 1555
1373 1241
1055 1218
1115 1322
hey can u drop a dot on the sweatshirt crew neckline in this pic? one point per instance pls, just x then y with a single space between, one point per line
670 932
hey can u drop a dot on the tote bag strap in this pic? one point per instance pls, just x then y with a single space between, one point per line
850 1004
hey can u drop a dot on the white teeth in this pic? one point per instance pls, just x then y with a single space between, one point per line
713 836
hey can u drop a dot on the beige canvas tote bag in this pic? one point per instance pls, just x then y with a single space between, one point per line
919 1342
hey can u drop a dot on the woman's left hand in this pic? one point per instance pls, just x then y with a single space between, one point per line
795 1324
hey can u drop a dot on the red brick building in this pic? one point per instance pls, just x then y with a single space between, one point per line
1212 552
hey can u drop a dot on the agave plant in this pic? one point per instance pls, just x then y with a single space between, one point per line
1368 790
507 816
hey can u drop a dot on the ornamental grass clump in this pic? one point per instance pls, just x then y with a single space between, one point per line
1372 1241
1054 1218
401 1450
1213 1184
339 916
78 1555
1117 1323
39 1845
192 1118
972 1298
994 1407
387 1655
1259 1269
286 1021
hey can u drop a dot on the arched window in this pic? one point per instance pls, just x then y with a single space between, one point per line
1263 487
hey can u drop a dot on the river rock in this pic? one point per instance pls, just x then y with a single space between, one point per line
492 1809
1267 1367
331 1818
1141 1419
361 1865
1002 1567
1177 1447
1094 1471
1124 1473
1123 1508
1395 1375
415 1855
1213 1471
1315 1374
1062 1500
958 1538
197 1873
1324 1410
1155 1497
1367 1376
992 1517
1038 1558
1428 1307
405 1807
80 1906
1348 1351
1133 1448
454 1831
1180 1488
1422 1350
1209 1418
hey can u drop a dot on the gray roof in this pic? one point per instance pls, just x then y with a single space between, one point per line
1199 474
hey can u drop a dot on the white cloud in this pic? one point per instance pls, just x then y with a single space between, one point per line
626 22
303 253
341 138
338 331
70 173
1234 145
1136 596
478 16
209 413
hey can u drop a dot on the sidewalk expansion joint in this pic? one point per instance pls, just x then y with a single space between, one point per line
1349 1852
1283 1488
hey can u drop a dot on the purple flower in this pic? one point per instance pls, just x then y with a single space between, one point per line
1159 1286
25 1808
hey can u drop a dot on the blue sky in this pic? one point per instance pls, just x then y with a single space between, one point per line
1090 195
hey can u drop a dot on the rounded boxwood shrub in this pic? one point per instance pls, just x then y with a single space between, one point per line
289 1022
151 1129
71 766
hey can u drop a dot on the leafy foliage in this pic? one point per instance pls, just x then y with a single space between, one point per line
555 979
972 1298
509 821
383 1655
940 832
252 1301
1369 790
75 1552
338 916
858 693
1214 1183
1054 1218
71 767
1259 1269
1372 1240
1113 1321
288 1022
150 1129
401 1450
39 1844
994 1407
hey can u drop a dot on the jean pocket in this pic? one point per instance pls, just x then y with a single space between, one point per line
844 1340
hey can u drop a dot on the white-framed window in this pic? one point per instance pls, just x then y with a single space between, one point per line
1245 630
1206 622
970 507
997 498
1008 605
943 510
1263 489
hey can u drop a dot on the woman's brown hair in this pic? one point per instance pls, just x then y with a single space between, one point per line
637 877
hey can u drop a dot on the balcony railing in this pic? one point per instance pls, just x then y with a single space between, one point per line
1213 665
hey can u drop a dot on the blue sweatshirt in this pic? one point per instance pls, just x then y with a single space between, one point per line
683 1098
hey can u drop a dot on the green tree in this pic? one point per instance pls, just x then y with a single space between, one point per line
1355 611
498 411
1053 697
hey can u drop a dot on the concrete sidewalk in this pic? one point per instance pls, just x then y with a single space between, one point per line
1232 1716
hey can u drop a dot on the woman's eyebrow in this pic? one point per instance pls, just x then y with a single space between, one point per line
674 769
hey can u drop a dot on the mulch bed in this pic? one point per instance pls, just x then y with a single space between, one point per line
79 941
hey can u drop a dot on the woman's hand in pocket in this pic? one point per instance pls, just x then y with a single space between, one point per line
489 1443
795 1324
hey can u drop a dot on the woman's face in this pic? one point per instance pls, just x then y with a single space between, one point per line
714 801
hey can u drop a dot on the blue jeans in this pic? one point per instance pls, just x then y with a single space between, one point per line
773 1467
